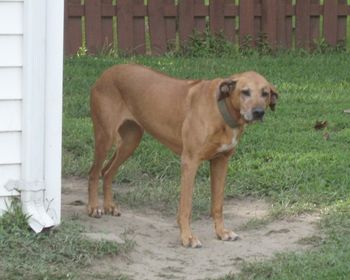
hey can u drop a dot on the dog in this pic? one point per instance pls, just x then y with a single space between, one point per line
196 119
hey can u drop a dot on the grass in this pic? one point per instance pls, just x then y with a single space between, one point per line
62 253
330 260
283 159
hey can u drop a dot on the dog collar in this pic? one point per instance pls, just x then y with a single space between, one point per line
228 118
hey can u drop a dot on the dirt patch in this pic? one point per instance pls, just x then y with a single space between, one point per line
158 254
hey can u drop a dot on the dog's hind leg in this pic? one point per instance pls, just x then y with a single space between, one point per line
103 143
105 117
129 137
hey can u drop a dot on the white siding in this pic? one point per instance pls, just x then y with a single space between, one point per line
11 83
10 50
10 161
8 172
11 17
10 115
10 148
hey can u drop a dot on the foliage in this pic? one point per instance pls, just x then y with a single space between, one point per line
206 44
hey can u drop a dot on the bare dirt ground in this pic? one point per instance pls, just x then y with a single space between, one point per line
158 254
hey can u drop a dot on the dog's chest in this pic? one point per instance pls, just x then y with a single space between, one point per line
229 146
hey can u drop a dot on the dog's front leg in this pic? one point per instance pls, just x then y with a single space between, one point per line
189 169
218 172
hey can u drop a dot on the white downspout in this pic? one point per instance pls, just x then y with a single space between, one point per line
53 107
32 200
31 186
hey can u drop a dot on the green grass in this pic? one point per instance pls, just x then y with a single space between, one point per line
62 253
284 159
329 261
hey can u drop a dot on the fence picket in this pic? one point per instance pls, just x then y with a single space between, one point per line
257 21
284 29
269 21
230 13
138 32
186 20
201 11
341 34
72 21
107 13
314 24
125 26
216 16
93 25
157 26
246 23
302 34
330 21
170 13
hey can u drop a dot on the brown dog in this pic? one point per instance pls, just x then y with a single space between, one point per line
197 119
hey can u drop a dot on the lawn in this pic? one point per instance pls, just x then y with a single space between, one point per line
328 261
284 159
61 253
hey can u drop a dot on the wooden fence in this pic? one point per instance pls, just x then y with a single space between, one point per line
138 28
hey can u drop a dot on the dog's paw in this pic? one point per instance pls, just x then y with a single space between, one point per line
227 235
191 241
95 212
112 210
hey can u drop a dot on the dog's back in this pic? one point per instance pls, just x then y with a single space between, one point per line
154 100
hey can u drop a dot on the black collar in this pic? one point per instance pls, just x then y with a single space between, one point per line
228 118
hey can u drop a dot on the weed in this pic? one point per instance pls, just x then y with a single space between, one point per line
322 47
260 46
314 240
82 51
255 223
207 44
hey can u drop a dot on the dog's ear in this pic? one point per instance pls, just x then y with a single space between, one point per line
225 88
273 97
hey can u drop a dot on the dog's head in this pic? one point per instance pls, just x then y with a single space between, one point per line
250 94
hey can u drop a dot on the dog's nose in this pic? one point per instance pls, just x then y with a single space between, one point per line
258 113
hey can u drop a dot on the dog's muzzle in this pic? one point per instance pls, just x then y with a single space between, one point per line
258 114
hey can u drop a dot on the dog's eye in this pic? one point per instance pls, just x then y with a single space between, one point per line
265 94
246 92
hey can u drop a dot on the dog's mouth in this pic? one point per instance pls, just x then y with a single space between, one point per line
249 118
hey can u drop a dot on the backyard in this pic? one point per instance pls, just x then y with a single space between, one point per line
288 180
